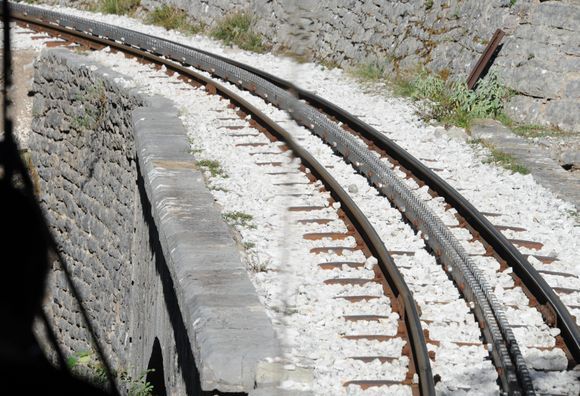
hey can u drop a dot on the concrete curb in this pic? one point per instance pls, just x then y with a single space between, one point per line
226 323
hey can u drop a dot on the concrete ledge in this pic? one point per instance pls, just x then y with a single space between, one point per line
545 170
227 325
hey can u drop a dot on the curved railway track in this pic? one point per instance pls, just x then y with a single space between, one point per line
393 172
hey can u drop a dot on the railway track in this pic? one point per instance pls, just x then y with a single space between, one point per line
457 241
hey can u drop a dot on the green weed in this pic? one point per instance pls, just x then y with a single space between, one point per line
237 29
533 131
214 167
452 102
370 71
94 101
250 245
119 7
500 158
507 161
329 64
85 362
172 18
138 386
239 219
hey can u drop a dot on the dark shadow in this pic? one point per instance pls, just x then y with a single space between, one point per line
156 375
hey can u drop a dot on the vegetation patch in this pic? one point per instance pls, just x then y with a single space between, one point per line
237 29
536 131
214 167
500 158
86 364
250 245
119 7
329 64
93 110
239 219
370 71
451 102
172 18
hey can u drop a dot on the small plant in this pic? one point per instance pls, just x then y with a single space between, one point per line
239 218
256 263
329 64
214 167
507 161
86 363
237 29
94 108
452 102
172 18
402 87
500 158
428 4
119 7
139 386
371 71
534 131
573 214
250 245
513 3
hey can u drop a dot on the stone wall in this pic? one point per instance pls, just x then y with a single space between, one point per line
162 290
539 60
81 144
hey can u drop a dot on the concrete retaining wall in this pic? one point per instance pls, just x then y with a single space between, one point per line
159 274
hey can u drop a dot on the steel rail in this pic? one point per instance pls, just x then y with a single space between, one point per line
530 277
410 315
505 352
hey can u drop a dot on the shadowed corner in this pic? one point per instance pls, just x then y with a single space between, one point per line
25 242
155 370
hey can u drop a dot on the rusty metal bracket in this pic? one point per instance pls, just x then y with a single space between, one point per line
485 58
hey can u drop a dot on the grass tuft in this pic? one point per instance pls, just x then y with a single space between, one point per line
237 29
506 161
500 158
371 71
329 64
214 167
248 246
172 18
119 7
535 131
239 219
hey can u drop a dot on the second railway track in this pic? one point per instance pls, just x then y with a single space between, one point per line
459 245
